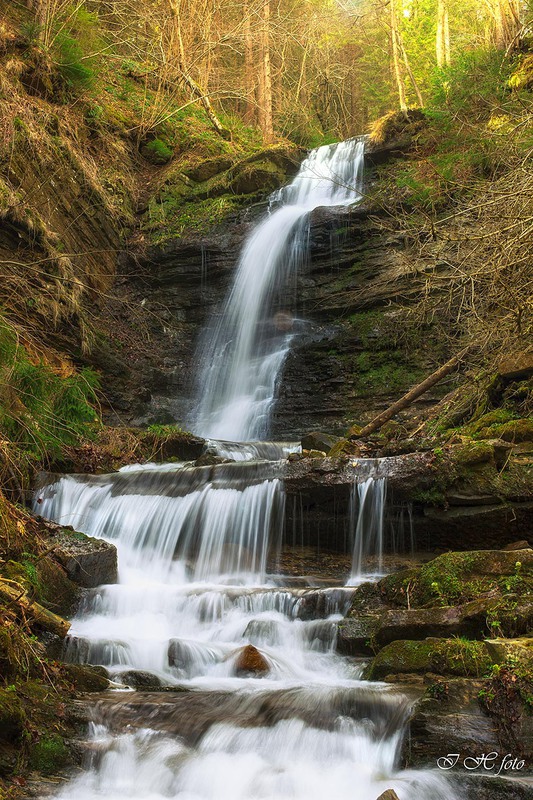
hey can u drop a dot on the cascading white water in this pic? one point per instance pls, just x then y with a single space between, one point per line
244 348
194 591
366 518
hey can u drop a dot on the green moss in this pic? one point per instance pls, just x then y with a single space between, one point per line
442 656
472 453
157 151
12 716
49 755
456 577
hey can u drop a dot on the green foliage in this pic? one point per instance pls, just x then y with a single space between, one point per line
42 412
157 151
474 83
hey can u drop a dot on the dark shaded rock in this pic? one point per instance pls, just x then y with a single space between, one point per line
170 444
86 677
449 719
250 663
318 441
354 635
138 679
12 716
468 620
87 561
521 545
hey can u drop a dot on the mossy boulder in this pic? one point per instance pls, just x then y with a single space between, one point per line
12 716
49 754
460 577
86 677
440 656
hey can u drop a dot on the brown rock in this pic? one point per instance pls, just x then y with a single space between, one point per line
521 545
250 662
388 794
518 365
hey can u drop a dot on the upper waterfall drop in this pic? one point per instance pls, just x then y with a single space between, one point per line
243 350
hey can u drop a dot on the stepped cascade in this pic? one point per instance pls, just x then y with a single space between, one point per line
259 705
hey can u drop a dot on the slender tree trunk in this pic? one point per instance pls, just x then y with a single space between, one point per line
443 35
250 112
411 75
265 75
400 84
410 397
196 90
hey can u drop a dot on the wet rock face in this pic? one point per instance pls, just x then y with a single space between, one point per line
88 562
250 663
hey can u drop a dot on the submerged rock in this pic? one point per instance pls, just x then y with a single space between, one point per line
250 663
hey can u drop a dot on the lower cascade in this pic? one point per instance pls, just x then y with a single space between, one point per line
258 703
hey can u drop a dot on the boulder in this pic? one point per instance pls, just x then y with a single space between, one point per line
437 656
89 562
354 635
139 679
250 663
388 794
86 677
517 365
448 712
319 441
521 545
468 620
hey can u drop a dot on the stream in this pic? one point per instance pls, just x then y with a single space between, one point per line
254 702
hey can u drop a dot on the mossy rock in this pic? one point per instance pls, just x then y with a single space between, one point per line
12 716
472 453
49 754
517 430
440 656
87 678
457 577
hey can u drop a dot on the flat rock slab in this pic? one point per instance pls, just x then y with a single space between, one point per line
89 562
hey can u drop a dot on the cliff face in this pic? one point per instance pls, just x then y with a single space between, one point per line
352 356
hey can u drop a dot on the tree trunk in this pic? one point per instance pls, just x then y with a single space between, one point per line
408 398
16 596
196 90
250 113
265 76
411 75
396 58
443 35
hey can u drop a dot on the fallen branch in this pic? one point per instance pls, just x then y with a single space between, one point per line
407 399
14 594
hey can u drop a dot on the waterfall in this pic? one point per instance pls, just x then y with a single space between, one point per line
261 703
243 350
366 521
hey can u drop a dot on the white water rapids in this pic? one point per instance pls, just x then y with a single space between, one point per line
198 583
